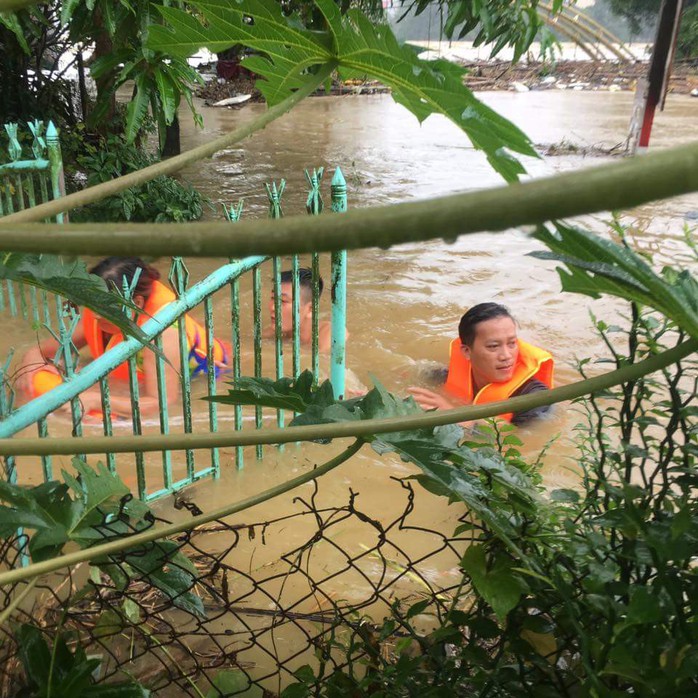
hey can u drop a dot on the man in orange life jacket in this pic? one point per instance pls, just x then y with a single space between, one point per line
490 363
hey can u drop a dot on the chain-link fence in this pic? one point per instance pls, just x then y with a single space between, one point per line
252 603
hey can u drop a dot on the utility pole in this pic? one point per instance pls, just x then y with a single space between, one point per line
651 92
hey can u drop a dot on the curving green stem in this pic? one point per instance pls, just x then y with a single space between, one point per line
156 533
359 429
100 191
611 187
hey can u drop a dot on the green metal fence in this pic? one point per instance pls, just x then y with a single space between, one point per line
24 183
230 299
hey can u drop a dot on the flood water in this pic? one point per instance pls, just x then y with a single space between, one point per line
404 303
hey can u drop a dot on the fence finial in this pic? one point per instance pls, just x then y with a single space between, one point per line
275 195
233 213
39 145
178 276
314 203
338 188
14 148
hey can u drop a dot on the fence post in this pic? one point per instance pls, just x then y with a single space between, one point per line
314 206
338 189
56 167
233 214
6 405
275 212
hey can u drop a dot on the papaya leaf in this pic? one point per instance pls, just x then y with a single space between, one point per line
68 277
596 266
287 54
283 394
480 477
99 510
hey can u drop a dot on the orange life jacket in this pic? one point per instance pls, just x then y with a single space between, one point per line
159 297
532 362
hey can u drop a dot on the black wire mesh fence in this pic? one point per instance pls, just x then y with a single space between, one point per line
247 607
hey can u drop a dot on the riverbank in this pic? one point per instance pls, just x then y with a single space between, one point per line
611 76
571 75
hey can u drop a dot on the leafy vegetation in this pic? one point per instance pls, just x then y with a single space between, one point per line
585 591
687 44
498 23
59 672
93 508
159 200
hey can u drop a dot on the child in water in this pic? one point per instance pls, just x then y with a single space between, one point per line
38 375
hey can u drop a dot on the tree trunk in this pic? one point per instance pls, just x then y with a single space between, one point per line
105 104
172 144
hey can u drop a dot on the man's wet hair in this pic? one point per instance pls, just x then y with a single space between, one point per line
305 281
481 312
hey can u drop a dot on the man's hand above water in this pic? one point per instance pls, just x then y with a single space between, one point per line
430 400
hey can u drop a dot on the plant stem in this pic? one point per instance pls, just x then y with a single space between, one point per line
369 427
100 191
609 187
7 612
106 549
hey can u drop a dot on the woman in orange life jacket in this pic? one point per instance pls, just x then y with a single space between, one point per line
37 375
490 363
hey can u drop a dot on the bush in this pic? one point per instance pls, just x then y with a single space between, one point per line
160 200
687 44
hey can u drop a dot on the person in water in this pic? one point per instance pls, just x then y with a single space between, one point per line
305 315
37 375
490 363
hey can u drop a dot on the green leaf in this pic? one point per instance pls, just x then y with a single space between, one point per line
564 495
160 564
34 654
498 585
108 623
11 22
137 108
68 277
169 95
233 682
96 514
286 54
283 394
596 266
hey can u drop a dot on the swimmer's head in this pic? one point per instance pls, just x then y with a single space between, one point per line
489 341
467 328
305 286
115 269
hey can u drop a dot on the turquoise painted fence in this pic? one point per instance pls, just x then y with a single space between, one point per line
24 183
231 297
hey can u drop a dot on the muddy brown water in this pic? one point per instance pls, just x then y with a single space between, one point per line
404 303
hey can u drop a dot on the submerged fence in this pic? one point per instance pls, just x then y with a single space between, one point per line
255 279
